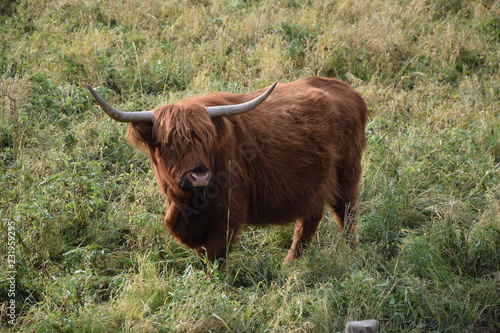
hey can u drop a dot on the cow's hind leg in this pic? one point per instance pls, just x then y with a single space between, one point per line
303 233
345 214
345 204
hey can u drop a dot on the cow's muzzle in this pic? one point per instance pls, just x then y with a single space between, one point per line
198 177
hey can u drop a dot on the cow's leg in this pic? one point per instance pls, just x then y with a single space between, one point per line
217 253
219 244
303 233
345 203
345 213
208 255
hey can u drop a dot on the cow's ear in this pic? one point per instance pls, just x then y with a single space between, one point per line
224 129
140 135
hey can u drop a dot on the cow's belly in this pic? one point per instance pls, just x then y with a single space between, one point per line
284 210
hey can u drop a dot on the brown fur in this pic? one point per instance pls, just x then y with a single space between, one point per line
279 162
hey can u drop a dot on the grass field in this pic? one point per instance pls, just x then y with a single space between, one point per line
81 216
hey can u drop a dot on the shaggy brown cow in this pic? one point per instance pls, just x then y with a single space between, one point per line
221 167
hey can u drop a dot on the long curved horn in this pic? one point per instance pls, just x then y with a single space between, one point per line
230 110
124 117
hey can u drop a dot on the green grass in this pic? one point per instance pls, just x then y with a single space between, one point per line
91 252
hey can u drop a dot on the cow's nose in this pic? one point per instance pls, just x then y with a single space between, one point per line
197 177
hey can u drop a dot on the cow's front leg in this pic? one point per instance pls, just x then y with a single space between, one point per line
218 245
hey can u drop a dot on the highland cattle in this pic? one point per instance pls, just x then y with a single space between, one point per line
267 157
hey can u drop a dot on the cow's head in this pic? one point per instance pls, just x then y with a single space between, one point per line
181 138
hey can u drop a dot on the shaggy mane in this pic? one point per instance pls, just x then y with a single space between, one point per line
179 127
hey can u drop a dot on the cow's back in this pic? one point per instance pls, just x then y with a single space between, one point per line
292 145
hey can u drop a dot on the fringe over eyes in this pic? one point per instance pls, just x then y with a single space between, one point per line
180 127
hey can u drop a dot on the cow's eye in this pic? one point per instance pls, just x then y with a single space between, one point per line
195 136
